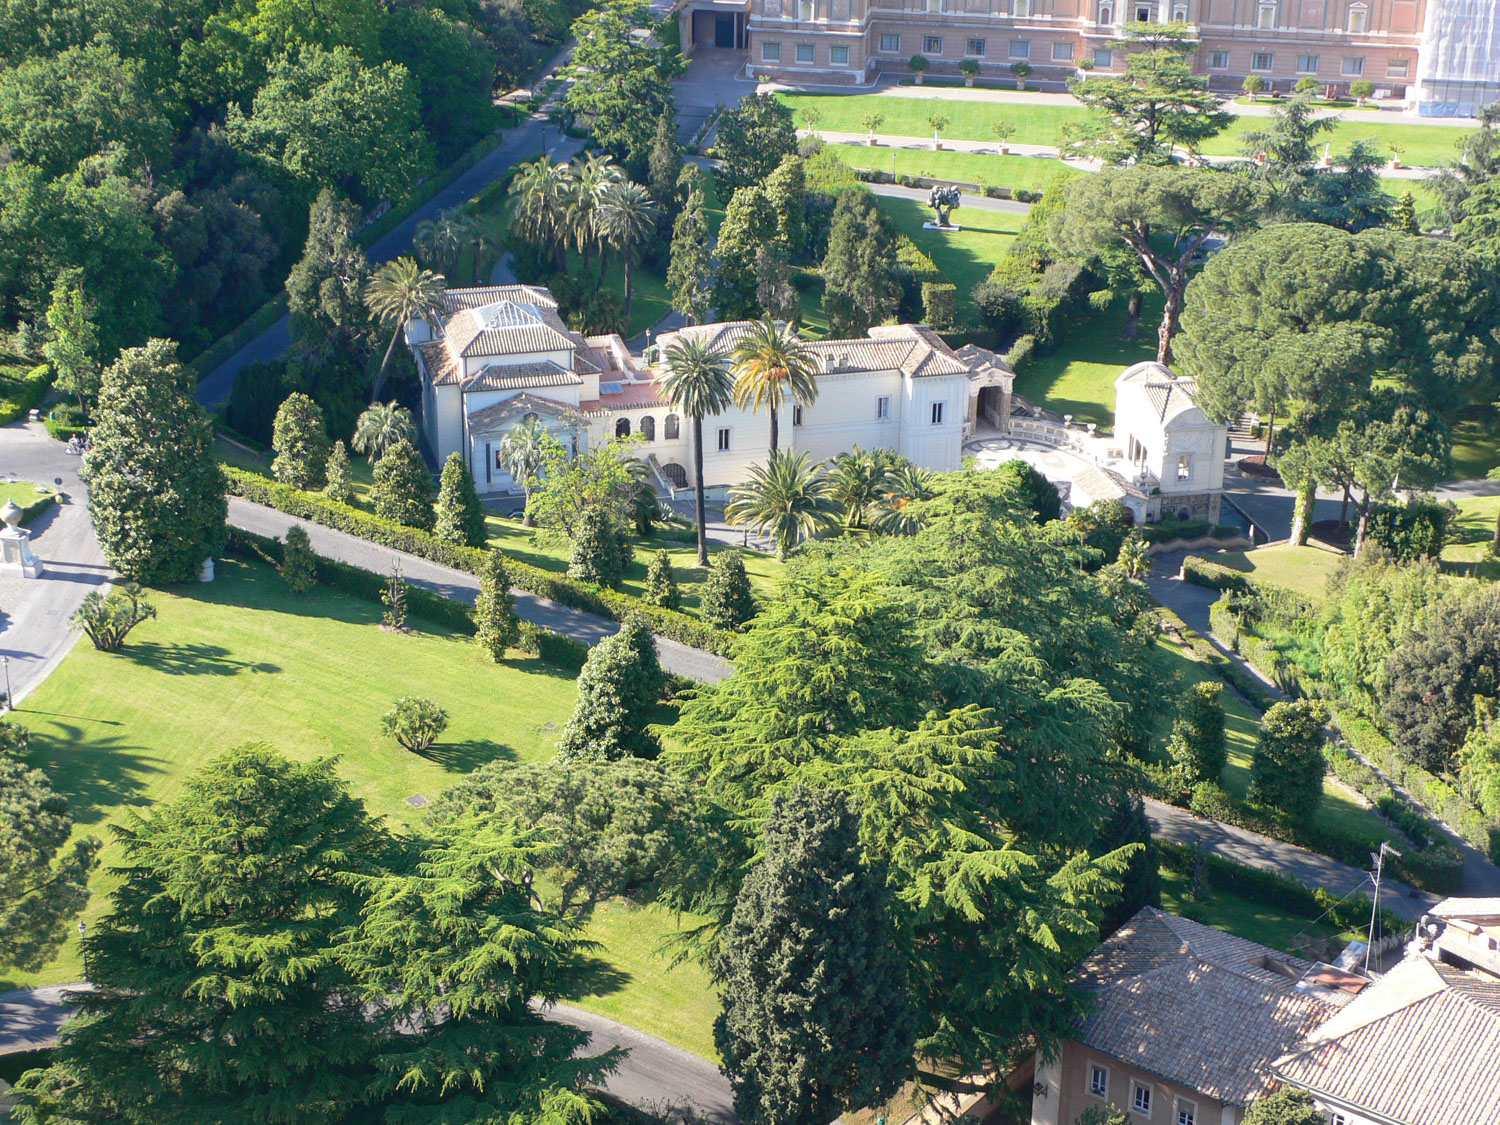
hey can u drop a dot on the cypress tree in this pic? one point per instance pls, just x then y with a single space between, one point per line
617 690
403 487
460 516
301 443
665 163
661 586
340 486
786 189
299 566
595 554
1197 741
495 610
818 1014
726 601
749 223
859 269
1287 769
690 276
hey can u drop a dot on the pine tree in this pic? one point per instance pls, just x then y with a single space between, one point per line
1404 215
218 995
460 516
617 692
340 486
1287 769
661 586
726 601
403 487
1197 740
787 192
595 555
301 444
690 277
156 492
299 566
749 223
665 164
494 609
859 269
818 1015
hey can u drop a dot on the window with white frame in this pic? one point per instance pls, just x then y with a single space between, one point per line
771 52
1336 1119
1397 68
1145 13
1020 7
1179 13
838 56
975 48
891 44
1099 1081
1262 60
937 414
1106 13
932 44
1062 51
1187 1112
1020 49
1103 56
804 52
883 406
1265 16
808 10
1140 1098
1359 19
1354 67
1218 60
1307 64
1184 472
724 439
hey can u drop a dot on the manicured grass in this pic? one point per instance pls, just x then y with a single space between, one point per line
1078 378
1475 431
23 492
1472 534
1245 917
1423 194
907 116
1304 569
243 659
964 257
1030 173
1421 146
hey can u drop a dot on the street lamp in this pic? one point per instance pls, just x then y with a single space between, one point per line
83 949
9 706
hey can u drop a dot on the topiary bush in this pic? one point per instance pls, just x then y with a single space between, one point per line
403 487
594 553
1287 769
617 692
415 722
661 586
340 486
301 444
726 601
299 566
460 515
495 610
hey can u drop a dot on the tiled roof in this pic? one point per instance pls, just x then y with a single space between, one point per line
514 376
492 417
441 364
1420 1047
928 354
720 337
1171 399
456 300
505 328
1194 1005
1467 908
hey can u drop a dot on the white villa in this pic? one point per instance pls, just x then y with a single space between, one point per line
503 354
1177 453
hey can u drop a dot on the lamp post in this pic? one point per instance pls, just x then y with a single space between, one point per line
83 949
9 706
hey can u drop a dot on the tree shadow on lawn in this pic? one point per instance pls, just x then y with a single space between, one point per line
242 584
192 659
469 755
96 774
597 977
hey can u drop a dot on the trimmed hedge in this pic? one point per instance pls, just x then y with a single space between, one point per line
23 394
1215 803
1200 572
1188 529
564 652
612 604
1248 686
33 508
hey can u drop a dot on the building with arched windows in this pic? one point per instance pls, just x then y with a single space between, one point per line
503 357
1442 56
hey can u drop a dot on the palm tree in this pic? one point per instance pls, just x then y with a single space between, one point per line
543 192
626 217
904 484
786 498
590 175
402 291
770 363
860 478
696 381
1134 560
381 426
441 240
521 454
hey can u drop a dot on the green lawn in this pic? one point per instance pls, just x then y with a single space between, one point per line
964 257
1476 440
1304 569
1421 146
1472 534
1079 377
1248 918
1032 173
23 492
242 659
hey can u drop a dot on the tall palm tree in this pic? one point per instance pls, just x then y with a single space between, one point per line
590 176
521 454
441 240
402 291
696 381
381 426
543 191
769 364
905 483
786 498
857 482
626 218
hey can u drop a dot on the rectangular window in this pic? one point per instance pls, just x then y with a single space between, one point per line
1144 13
804 52
1020 7
1062 52
771 52
797 421
1184 466
1103 57
937 414
1354 67
1187 1113
883 406
891 44
1218 60
1397 68
1098 1082
1359 19
1262 60
1307 64
932 44
975 47
1140 1100
1020 49
723 439
838 56
1336 1119
1266 16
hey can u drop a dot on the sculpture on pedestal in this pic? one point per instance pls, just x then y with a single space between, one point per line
943 200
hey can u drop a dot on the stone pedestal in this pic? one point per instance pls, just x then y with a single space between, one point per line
17 560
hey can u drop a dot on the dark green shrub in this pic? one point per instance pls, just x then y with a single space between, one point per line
594 553
403 487
617 692
460 515
661 586
1287 770
726 601
299 566
1416 530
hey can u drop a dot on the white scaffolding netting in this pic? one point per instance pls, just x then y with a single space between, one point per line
1458 68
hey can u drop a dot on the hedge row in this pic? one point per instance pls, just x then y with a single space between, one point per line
22 394
612 604
1212 801
564 652
1200 572
33 508
1247 685
1188 529
1351 913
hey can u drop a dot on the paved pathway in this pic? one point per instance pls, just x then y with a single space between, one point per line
34 613
580 626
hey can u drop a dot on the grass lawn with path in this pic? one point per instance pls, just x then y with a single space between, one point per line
243 659
1247 918
1303 569
966 256
1031 173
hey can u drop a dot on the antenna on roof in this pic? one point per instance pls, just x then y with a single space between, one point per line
1379 858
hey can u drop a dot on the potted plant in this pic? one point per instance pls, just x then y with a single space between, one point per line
1307 85
1022 71
938 123
873 121
1085 65
1253 85
969 68
1361 88
1395 157
1003 131
918 64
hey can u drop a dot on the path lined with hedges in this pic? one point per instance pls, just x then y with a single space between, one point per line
586 628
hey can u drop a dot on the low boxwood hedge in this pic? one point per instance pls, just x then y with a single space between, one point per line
612 604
